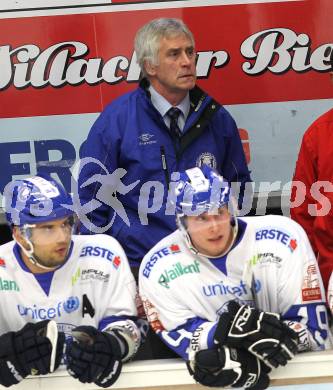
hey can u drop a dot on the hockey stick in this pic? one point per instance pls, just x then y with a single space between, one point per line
52 335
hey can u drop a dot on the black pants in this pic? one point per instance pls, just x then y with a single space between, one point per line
154 348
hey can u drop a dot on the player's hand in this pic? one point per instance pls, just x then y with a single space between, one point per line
221 367
28 352
261 333
94 356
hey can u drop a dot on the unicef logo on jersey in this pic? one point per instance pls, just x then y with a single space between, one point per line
71 304
235 291
35 312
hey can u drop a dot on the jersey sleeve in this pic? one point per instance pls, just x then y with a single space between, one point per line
174 321
330 294
292 286
119 303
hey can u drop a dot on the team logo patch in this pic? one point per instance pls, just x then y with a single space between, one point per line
152 316
2 263
311 294
206 159
311 286
146 139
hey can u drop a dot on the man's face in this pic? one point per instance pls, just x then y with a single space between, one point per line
51 241
211 235
175 73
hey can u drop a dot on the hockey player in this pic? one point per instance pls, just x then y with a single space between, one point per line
235 297
54 283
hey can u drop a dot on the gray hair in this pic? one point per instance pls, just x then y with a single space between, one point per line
147 39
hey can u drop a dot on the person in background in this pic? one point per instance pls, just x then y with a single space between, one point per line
55 284
167 124
312 190
234 297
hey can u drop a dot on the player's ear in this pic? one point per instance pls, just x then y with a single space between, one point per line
150 68
16 232
18 237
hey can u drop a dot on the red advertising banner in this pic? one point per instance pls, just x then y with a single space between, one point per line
247 53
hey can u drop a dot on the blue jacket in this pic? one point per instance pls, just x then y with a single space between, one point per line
131 134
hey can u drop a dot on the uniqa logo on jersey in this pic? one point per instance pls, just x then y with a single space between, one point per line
46 313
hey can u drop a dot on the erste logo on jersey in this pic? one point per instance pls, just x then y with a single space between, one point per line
170 250
279 235
104 253
46 313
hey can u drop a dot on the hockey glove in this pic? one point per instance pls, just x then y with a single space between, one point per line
224 366
261 333
94 356
29 351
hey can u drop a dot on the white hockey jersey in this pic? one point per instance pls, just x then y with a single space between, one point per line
93 287
330 293
271 266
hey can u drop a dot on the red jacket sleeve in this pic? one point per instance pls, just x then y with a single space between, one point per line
304 176
314 169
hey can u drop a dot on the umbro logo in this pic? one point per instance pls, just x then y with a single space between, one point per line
146 139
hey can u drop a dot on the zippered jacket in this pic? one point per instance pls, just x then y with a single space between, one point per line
129 160
312 198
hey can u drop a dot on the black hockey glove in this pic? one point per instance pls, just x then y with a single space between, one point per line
261 333
29 351
220 367
94 356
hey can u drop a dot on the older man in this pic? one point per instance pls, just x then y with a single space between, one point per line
166 125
